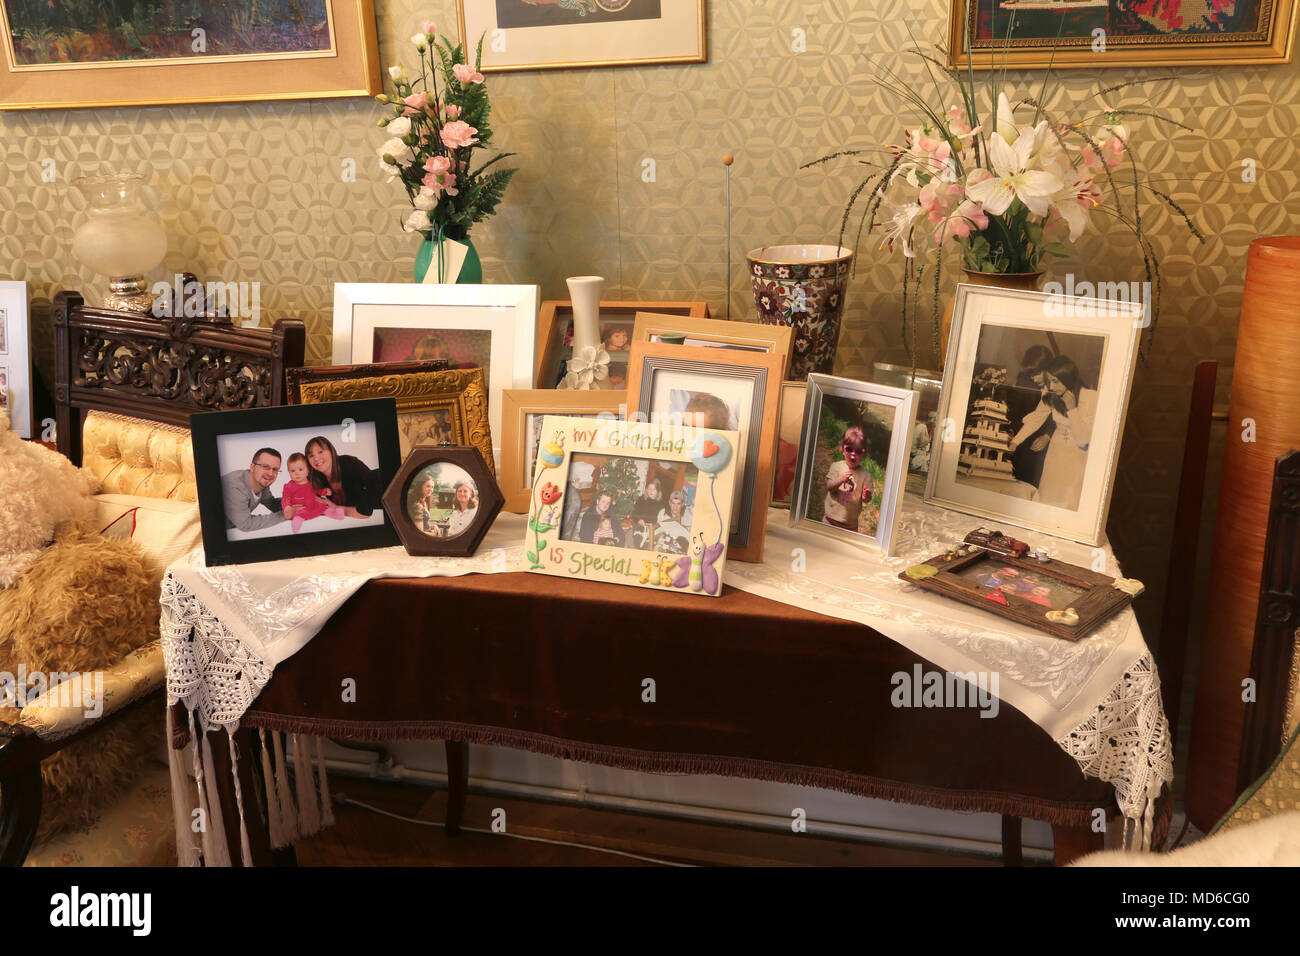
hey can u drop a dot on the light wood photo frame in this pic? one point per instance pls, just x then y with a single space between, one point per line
713 333
556 315
519 405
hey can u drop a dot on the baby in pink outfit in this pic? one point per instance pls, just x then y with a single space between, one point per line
299 490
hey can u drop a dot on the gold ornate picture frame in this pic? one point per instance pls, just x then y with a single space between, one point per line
434 407
1093 34
521 419
47 62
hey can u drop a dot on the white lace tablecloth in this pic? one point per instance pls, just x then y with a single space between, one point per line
225 629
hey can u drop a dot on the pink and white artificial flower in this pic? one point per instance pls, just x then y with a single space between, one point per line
465 73
416 103
458 134
425 199
1012 177
967 219
430 29
1074 203
438 177
452 110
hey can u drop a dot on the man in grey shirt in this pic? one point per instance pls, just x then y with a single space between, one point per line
242 491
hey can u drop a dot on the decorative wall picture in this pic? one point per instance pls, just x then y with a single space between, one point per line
15 358
522 416
1021 33
435 405
442 501
79 53
491 326
617 323
294 480
637 503
718 389
552 34
1037 388
853 454
712 333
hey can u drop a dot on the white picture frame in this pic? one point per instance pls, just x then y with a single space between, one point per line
851 402
15 357
976 462
508 313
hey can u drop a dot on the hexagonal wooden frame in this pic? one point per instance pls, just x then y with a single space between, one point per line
490 500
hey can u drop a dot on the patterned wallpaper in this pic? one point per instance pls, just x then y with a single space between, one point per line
254 192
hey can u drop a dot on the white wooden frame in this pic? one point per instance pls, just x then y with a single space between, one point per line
15 357
509 312
1119 322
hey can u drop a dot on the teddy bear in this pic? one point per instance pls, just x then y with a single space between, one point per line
70 601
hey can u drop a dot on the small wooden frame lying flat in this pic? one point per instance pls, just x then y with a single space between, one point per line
955 575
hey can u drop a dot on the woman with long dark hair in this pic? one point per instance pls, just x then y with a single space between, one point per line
1072 409
353 484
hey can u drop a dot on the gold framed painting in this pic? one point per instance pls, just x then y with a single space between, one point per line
1102 33
521 430
617 322
713 334
68 55
547 35
440 407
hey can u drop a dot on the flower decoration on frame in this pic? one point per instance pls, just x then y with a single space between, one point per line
441 117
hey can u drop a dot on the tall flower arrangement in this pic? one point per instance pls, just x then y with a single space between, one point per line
1008 184
439 122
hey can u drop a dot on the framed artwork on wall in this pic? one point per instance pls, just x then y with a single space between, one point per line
521 437
485 326
71 54
852 459
15 358
293 481
528 35
617 321
591 513
718 389
1036 389
1101 33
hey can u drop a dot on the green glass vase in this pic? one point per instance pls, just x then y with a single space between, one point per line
426 257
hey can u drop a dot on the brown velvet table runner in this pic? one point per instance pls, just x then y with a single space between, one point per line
743 687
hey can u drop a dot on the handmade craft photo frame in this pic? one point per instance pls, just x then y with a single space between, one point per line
1035 393
15 358
852 467
616 324
442 501
718 389
522 415
713 333
1060 599
487 326
293 481
435 405
591 514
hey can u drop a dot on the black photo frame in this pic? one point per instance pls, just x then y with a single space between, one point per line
376 420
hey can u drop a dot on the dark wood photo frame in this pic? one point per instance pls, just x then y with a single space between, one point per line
464 543
949 574
207 429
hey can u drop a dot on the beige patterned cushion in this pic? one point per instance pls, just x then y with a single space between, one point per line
137 830
136 457
1277 792
62 710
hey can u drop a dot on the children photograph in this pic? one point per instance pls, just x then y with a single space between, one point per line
848 473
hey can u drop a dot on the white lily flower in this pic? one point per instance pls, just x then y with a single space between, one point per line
1012 178
399 127
900 224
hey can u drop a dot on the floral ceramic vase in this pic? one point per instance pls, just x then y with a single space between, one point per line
803 287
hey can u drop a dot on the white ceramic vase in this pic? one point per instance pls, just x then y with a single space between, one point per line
585 293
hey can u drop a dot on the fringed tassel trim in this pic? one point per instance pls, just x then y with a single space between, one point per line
308 810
